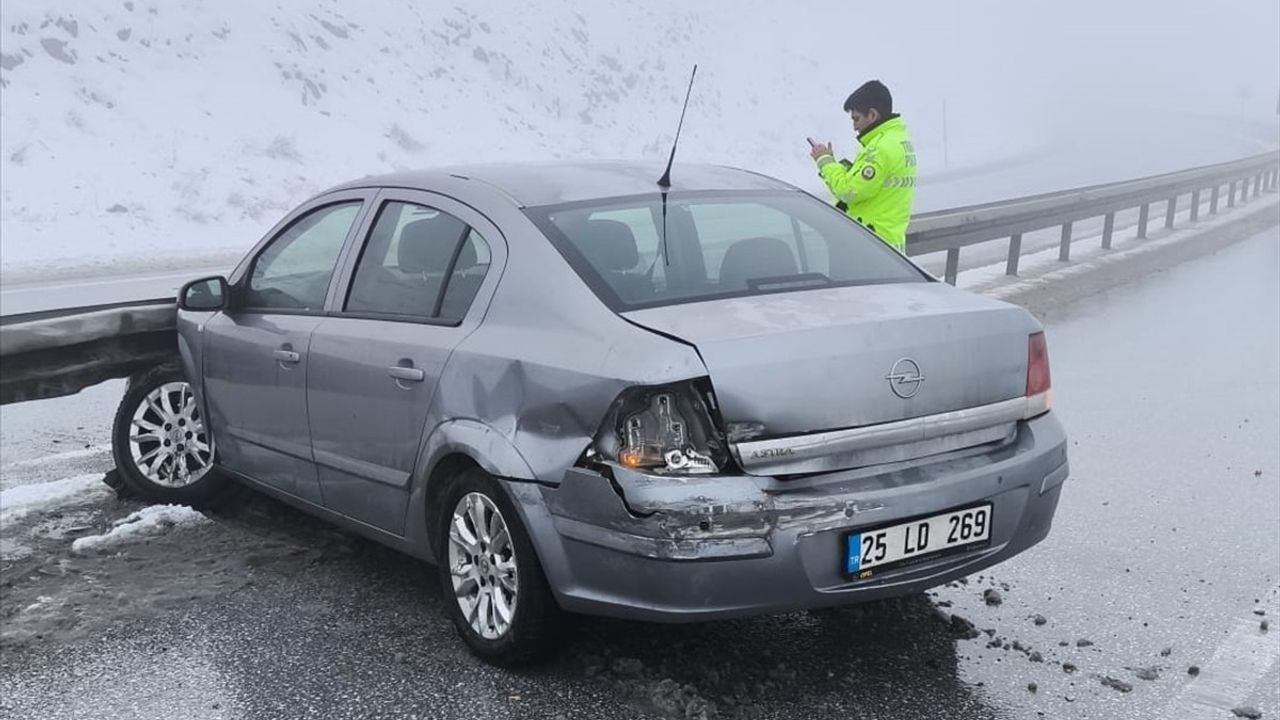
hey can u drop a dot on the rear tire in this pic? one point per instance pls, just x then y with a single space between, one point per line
161 446
492 584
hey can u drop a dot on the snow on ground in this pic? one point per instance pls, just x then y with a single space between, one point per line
58 437
89 451
16 503
147 522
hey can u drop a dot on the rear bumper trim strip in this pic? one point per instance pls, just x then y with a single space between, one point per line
806 453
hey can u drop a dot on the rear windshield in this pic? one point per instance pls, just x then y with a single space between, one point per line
718 245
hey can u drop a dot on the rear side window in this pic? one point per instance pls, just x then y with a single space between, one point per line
717 245
293 271
464 281
418 263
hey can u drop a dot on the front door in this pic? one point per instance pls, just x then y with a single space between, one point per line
374 365
256 352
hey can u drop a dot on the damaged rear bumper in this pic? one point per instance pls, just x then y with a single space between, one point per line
684 549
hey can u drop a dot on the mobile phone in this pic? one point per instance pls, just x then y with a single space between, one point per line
811 142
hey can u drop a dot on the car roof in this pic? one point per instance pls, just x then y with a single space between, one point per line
531 184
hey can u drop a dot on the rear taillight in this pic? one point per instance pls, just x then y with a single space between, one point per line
1039 387
667 429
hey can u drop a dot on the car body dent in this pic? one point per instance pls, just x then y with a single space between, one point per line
544 366
491 450
652 524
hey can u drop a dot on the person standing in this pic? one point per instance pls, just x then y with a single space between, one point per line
878 188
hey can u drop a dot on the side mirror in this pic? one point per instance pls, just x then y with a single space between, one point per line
204 295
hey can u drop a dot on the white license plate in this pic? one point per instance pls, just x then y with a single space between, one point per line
917 539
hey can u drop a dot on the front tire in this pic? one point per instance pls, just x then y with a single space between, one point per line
161 446
493 585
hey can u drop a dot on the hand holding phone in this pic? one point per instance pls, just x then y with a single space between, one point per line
817 150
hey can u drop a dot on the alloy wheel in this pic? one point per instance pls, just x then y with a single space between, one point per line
168 441
482 566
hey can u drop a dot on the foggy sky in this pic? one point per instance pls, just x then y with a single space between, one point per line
1076 61
1039 72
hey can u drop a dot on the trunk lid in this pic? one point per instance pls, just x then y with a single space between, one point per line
834 358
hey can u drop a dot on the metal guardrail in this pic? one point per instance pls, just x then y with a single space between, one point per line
60 352
953 229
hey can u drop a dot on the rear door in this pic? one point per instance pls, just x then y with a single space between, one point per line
255 353
417 286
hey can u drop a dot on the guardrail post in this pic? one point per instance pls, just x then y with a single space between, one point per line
1064 248
1257 185
1244 190
1108 228
1195 205
1231 194
1213 201
1169 213
1142 221
953 265
1015 254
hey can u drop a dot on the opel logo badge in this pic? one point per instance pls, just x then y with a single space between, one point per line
905 378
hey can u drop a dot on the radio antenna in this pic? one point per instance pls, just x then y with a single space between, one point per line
665 180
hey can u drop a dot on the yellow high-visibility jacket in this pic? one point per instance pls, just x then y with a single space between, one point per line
878 188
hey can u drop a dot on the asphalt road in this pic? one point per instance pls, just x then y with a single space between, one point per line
1165 549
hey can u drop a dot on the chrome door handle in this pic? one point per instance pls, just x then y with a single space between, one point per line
287 356
408 374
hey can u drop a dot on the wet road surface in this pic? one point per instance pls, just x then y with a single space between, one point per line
1165 548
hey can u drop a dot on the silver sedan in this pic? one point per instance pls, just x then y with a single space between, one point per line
576 391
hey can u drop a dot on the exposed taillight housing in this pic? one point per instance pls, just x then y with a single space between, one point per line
668 429
1039 387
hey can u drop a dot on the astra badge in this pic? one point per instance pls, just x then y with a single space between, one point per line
905 378
769 453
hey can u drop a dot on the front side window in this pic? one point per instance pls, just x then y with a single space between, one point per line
418 263
294 270
717 245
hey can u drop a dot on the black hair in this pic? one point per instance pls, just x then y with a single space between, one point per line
872 94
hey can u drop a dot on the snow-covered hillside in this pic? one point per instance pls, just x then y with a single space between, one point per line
174 127
178 126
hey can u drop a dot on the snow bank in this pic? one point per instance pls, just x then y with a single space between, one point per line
147 522
18 502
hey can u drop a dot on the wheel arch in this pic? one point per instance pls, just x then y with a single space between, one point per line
452 447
